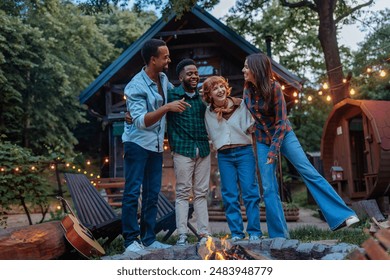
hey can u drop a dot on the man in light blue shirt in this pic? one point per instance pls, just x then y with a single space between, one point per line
146 96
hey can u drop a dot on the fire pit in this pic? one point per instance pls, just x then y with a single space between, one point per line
222 249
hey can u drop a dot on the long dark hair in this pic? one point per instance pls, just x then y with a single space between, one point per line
260 66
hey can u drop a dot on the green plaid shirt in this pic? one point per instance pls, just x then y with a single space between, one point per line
187 130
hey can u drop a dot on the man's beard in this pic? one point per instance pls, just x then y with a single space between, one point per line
188 86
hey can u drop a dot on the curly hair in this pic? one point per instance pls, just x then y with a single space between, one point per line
210 83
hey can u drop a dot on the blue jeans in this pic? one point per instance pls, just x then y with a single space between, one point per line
332 206
238 166
142 167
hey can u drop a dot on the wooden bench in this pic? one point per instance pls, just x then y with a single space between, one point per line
98 216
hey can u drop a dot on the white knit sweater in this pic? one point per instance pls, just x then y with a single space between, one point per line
231 131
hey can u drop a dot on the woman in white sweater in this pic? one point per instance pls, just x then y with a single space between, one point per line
229 126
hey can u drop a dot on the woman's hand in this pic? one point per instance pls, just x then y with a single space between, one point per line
269 161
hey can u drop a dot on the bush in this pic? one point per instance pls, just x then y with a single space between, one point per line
22 180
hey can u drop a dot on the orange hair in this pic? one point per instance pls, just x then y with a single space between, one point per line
210 83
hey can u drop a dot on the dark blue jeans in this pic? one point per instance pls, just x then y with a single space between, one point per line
142 167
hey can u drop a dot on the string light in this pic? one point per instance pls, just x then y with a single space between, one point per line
352 91
328 98
382 73
88 162
325 86
309 98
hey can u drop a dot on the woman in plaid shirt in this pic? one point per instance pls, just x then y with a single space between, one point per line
264 99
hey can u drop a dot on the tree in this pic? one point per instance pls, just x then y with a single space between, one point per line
22 179
329 13
50 53
371 61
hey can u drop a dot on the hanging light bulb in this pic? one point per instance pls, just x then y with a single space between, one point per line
283 87
320 92
328 98
295 94
344 80
309 98
325 86
369 70
382 73
352 91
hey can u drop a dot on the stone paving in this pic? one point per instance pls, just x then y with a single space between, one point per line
273 249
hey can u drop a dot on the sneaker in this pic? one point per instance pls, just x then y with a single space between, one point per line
351 220
158 245
236 238
134 247
182 241
348 222
254 237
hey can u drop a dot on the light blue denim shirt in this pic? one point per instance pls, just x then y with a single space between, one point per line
142 97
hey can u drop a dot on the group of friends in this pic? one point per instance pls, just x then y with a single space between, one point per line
192 119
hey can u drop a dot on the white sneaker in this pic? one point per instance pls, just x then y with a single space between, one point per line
158 245
236 238
135 247
254 237
351 220
182 241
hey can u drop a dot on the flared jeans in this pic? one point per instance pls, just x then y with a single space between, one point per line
332 206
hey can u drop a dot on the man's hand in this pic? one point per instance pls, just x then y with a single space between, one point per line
128 118
178 106
269 160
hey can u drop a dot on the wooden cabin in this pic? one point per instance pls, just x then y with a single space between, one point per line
356 138
216 49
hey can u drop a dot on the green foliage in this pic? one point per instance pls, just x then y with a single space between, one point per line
308 119
123 27
20 183
373 53
50 52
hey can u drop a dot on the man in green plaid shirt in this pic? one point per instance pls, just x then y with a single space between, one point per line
190 149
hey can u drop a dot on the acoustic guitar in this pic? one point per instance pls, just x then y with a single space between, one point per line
79 236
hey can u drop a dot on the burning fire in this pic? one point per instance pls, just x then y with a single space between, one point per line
217 254
221 249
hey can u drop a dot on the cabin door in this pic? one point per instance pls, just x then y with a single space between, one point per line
358 158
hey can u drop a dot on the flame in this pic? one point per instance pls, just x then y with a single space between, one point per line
213 251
